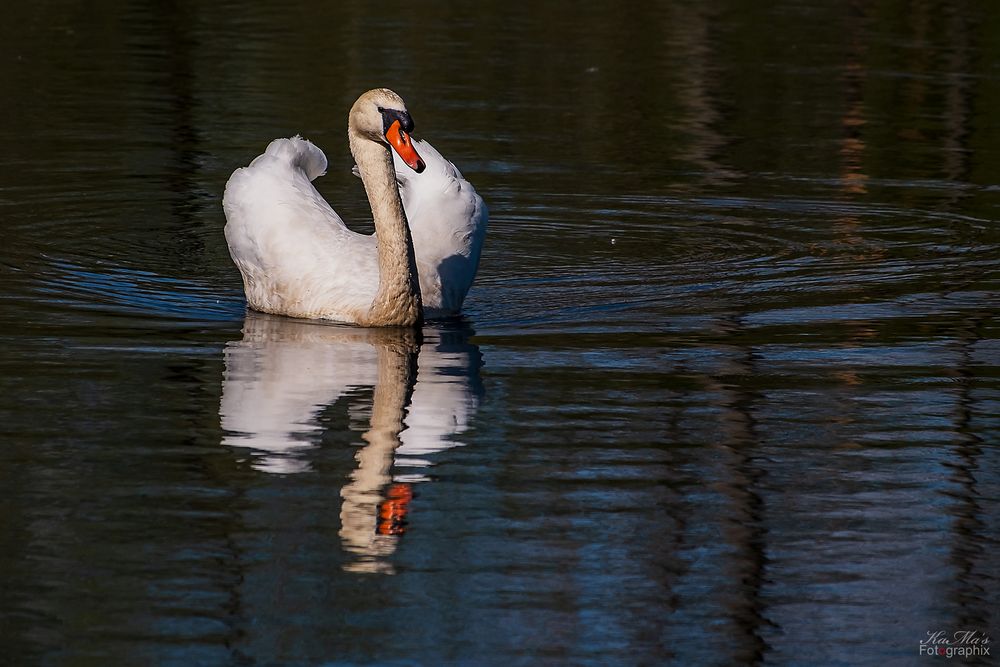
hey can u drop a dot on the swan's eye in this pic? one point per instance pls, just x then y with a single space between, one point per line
381 110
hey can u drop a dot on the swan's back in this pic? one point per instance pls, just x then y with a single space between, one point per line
448 224
294 252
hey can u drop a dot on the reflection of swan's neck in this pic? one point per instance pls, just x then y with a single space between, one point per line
397 373
397 301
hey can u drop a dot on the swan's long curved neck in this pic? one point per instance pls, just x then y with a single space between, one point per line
397 301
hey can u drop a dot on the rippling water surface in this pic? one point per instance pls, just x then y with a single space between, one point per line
725 392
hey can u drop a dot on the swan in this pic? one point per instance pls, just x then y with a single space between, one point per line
298 258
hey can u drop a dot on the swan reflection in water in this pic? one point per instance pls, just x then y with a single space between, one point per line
284 373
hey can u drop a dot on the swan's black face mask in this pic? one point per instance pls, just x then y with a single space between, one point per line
396 125
391 115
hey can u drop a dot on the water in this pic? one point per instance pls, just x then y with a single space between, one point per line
725 392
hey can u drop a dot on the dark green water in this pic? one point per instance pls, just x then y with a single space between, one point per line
726 391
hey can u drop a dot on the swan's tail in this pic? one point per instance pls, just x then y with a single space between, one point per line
300 153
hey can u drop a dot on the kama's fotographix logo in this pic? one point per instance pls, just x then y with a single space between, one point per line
958 644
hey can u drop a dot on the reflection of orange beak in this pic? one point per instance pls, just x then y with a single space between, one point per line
392 513
400 141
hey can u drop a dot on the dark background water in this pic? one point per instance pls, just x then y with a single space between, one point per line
726 391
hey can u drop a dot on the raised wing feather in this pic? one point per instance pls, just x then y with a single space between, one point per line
448 223
296 255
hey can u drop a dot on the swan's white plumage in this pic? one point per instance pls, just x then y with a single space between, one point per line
448 223
296 255
298 258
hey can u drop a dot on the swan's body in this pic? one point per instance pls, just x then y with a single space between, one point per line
298 258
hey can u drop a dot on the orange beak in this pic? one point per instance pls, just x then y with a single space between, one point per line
402 144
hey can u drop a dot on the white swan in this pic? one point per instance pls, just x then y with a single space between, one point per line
298 258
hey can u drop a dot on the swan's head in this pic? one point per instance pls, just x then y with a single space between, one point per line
380 115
